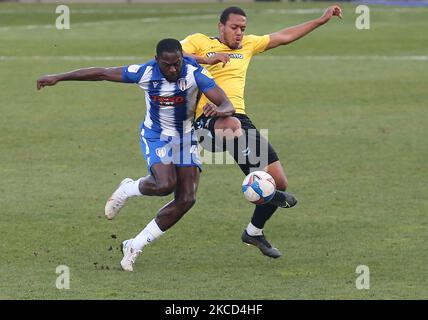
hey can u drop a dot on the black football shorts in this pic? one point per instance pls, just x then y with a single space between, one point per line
251 151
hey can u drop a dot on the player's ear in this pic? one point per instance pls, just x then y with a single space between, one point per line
220 27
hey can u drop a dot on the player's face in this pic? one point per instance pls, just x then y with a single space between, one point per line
170 64
232 32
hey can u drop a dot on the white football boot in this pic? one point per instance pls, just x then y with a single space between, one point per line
117 200
130 254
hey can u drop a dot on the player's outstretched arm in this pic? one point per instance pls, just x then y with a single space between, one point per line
211 60
291 34
222 106
88 74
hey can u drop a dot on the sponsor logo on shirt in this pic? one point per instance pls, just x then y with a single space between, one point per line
231 55
168 101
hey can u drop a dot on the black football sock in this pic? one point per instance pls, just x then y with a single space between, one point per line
262 213
283 199
279 198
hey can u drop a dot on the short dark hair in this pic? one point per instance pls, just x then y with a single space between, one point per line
168 45
226 12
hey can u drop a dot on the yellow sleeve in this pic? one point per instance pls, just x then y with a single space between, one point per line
259 43
190 44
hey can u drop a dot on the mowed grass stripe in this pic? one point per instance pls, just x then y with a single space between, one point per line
258 57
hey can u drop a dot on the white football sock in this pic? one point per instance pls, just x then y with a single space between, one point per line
253 230
131 188
149 234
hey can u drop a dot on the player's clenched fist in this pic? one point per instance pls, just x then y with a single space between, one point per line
46 81
330 12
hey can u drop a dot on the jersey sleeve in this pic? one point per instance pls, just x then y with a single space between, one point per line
133 73
190 44
204 80
259 43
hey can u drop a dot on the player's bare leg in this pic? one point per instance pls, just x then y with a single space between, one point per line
277 172
171 213
185 198
161 182
254 232
228 127
281 198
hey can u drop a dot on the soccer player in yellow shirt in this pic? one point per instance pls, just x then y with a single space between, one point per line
227 58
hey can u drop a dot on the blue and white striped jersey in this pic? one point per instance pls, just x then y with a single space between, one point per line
170 105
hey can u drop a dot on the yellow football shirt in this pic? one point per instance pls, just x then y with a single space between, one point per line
230 78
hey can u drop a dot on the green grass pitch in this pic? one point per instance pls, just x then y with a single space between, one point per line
346 110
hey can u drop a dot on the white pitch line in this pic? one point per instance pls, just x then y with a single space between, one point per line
135 10
321 10
259 57
193 16
97 23
75 58
141 10
344 57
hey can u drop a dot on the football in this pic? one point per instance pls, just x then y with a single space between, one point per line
258 187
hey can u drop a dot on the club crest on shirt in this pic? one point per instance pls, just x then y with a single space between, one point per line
182 84
160 152
134 68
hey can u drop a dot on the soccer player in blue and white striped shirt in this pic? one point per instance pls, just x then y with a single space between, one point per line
172 85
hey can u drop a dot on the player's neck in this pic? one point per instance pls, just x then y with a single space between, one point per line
224 43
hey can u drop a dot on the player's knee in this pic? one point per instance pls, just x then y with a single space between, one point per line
233 123
281 183
187 201
229 128
166 187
